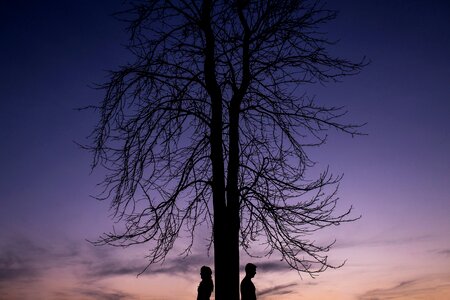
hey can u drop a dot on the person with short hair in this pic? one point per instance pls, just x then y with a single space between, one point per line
248 291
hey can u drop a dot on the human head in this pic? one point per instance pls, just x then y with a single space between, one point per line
250 269
205 272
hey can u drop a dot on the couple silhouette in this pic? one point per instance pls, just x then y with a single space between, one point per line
206 286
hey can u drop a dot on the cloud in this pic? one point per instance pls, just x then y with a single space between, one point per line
445 252
111 265
92 293
273 266
14 267
24 259
183 265
25 263
21 259
380 242
109 268
432 287
79 270
282 289
104 295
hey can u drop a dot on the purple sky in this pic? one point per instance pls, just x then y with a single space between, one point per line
397 177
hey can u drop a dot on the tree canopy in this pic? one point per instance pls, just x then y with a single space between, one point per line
209 125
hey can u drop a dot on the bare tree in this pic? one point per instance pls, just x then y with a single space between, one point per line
208 126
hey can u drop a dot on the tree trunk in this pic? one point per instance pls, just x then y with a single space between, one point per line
226 208
226 253
233 200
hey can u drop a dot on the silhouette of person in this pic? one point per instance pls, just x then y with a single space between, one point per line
206 286
248 291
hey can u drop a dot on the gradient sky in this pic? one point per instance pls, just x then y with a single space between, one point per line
397 177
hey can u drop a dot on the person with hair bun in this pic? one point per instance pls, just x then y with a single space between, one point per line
206 286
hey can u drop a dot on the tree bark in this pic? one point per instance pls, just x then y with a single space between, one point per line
233 200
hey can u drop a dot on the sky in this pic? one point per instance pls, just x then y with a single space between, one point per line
397 177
